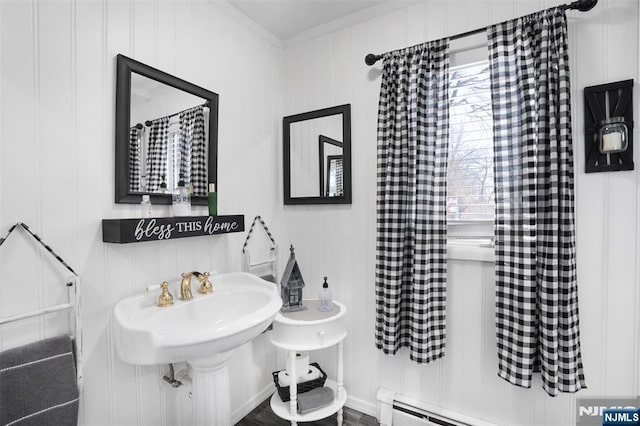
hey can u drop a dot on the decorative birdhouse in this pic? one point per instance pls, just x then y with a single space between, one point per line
291 286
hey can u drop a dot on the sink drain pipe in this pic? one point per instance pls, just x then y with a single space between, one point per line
171 378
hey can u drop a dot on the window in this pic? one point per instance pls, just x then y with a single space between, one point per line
176 149
470 190
470 194
173 155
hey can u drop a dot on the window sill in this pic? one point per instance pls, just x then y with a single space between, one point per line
471 240
468 250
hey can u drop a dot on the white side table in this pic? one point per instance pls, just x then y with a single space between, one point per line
307 331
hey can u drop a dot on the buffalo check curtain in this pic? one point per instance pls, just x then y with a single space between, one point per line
536 289
157 157
411 246
135 136
193 161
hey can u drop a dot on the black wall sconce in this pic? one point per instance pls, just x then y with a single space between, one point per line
608 121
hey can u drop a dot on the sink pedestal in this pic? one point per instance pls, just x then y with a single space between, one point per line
211 402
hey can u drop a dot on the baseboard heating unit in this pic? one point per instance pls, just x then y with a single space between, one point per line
398 410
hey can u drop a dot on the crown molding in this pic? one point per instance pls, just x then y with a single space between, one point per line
348 20
235 14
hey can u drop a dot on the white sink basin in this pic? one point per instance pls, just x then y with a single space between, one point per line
241 307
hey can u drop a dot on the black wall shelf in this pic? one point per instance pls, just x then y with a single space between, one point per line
124 231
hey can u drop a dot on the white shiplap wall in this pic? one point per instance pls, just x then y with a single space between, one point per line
57 70
329 70
56 174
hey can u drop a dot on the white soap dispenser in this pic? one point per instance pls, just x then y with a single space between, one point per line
145 206
326 301
181 200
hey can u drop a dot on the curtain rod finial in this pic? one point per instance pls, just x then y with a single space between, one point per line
583 5
371 59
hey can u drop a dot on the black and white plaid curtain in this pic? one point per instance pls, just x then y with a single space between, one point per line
411 247
135 136
157 156
536 289
339 176
193 161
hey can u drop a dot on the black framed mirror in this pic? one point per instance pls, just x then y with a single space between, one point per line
317 156
166 131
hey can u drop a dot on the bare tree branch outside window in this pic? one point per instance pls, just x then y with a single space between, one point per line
470 176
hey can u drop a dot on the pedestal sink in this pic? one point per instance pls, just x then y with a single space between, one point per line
203 332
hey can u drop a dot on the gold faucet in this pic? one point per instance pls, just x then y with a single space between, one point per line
185 284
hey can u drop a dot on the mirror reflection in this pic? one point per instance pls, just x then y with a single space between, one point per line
331 176
308 159
166 133
317 151
167 138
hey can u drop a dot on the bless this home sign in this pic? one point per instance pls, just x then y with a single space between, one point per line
166 228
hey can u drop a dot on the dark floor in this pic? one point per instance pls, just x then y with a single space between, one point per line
264 416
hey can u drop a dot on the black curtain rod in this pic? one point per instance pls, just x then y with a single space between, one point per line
148 123
581 5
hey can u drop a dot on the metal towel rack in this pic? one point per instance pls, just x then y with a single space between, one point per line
73 301
266 269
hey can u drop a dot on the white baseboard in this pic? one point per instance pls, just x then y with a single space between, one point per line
365 407
252 403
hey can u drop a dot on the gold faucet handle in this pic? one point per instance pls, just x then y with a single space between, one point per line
205 284
165 299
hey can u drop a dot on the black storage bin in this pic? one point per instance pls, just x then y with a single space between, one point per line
283 391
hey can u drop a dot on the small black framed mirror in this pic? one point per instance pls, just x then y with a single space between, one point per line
166 131
317 156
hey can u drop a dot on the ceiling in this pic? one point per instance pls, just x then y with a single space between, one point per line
285 19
